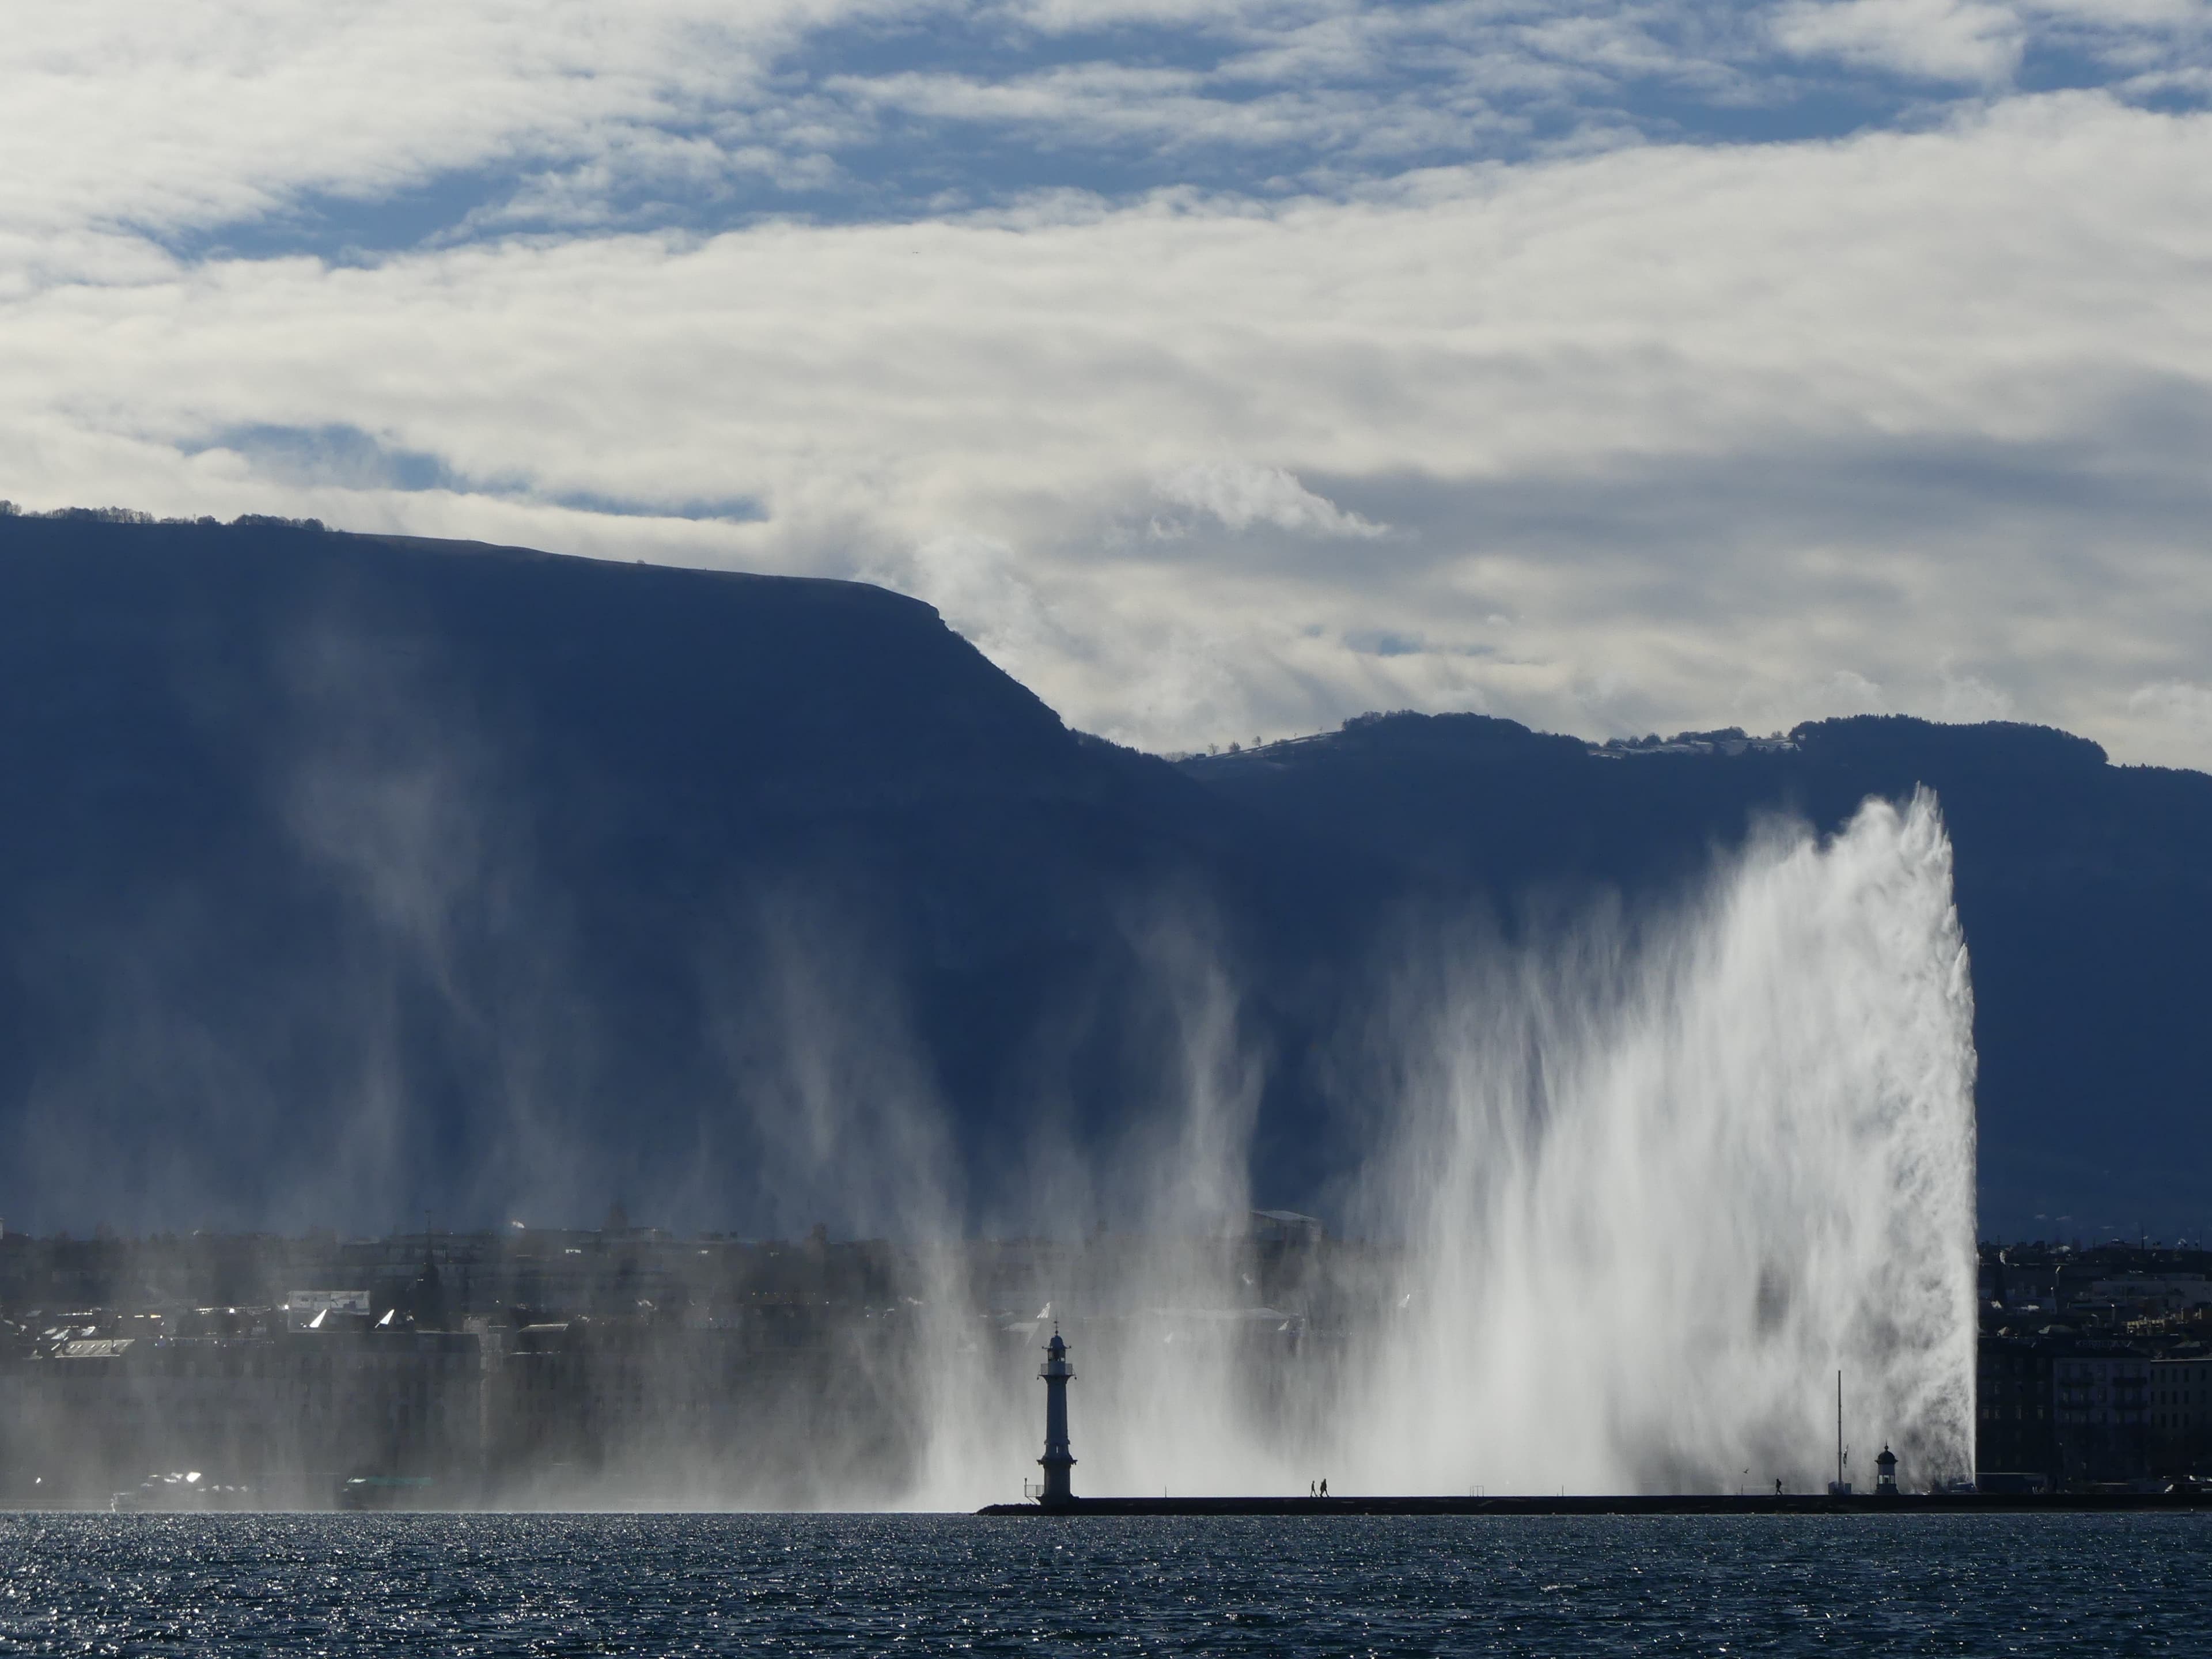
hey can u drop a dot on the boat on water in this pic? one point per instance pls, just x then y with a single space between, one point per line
387 1491
180 1491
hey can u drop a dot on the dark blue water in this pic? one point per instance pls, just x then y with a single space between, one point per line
689 1584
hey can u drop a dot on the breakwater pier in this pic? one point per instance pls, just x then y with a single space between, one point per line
1055 1498
1964 1503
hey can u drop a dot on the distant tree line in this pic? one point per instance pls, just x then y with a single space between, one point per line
132 515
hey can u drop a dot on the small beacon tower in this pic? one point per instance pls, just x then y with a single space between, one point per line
1057 1460
1884 1481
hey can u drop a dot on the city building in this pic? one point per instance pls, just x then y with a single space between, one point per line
2014 1432
2181 1413
2100 1410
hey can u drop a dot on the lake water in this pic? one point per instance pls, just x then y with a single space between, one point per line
804 1584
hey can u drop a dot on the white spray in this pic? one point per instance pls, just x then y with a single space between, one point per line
1654 1189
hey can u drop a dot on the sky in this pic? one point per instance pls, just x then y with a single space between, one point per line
1222 369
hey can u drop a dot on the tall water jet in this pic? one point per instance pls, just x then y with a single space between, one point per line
1657 1191
1646 1187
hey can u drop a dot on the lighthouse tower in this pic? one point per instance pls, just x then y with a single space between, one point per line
1057 1460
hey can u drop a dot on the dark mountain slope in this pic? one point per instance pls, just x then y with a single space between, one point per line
342 874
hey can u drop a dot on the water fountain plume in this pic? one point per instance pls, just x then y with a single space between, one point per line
1659 1191
1648 1188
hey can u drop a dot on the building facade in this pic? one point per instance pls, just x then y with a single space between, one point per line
2100 1409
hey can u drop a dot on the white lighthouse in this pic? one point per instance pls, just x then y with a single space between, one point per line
1057 1460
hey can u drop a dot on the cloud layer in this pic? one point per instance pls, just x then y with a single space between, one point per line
1223 370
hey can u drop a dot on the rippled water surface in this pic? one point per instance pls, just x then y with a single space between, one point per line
685 1584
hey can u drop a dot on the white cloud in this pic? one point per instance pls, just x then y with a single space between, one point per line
239 116
199 114
1848 692
1240 496
1939 39
1969 698
2169 721
2180 701
982 589
1733 433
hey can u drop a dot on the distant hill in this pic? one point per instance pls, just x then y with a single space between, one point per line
346 876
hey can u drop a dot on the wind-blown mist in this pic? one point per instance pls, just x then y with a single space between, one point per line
1631 1189
1639 1195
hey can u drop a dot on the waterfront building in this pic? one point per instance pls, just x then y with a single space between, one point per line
2181 1413
2100 1411
2013 1430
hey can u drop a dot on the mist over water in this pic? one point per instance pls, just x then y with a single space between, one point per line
1632 1189
1637 1195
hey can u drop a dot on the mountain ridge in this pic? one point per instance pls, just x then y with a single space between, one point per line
347 874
